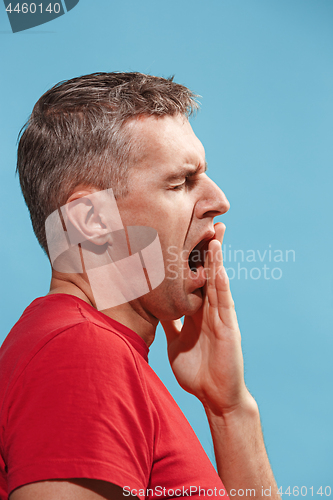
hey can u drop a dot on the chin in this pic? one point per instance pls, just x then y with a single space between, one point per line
189 305
195 301
168 303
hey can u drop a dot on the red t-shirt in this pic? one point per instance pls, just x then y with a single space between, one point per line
78 399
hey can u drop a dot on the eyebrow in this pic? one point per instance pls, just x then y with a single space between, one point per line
186 172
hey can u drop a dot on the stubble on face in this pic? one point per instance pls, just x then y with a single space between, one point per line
170 154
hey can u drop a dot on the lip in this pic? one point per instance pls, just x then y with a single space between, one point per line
207 236
197 279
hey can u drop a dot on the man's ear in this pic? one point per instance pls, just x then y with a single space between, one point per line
85 219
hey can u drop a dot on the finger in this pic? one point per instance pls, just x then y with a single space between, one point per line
226 305
220 278
209 262
219 231
172 329
212 266
218 289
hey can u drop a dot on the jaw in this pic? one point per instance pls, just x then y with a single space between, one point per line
186 297
172 299
182 290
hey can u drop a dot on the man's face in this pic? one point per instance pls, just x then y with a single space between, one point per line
170 191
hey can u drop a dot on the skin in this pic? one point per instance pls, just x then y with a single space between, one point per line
205 351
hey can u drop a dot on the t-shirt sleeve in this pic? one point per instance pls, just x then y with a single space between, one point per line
80 409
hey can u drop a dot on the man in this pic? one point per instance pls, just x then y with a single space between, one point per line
83 415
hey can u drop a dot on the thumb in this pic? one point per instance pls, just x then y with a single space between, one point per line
172 329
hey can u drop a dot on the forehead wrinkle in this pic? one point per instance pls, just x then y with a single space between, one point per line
186 172
169 146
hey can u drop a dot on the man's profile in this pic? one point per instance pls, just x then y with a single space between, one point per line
83 416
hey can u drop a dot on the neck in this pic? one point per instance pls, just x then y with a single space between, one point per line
130 314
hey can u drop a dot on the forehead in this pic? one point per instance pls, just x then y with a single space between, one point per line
168 142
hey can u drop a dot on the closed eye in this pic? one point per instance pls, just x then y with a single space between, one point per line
179 186
190 181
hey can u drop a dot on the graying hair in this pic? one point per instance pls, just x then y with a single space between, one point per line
77 135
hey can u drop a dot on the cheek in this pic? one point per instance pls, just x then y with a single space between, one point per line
175 265
136 216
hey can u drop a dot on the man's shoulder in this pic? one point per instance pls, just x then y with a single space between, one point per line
45 318
63 326
50 315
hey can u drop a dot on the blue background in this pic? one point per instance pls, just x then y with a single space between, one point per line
264 69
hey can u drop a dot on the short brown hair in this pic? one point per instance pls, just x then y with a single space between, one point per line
76 135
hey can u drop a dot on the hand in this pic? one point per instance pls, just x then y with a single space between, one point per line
205 353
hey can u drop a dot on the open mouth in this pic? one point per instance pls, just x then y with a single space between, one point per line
197 256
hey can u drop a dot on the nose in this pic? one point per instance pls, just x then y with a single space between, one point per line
212 202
